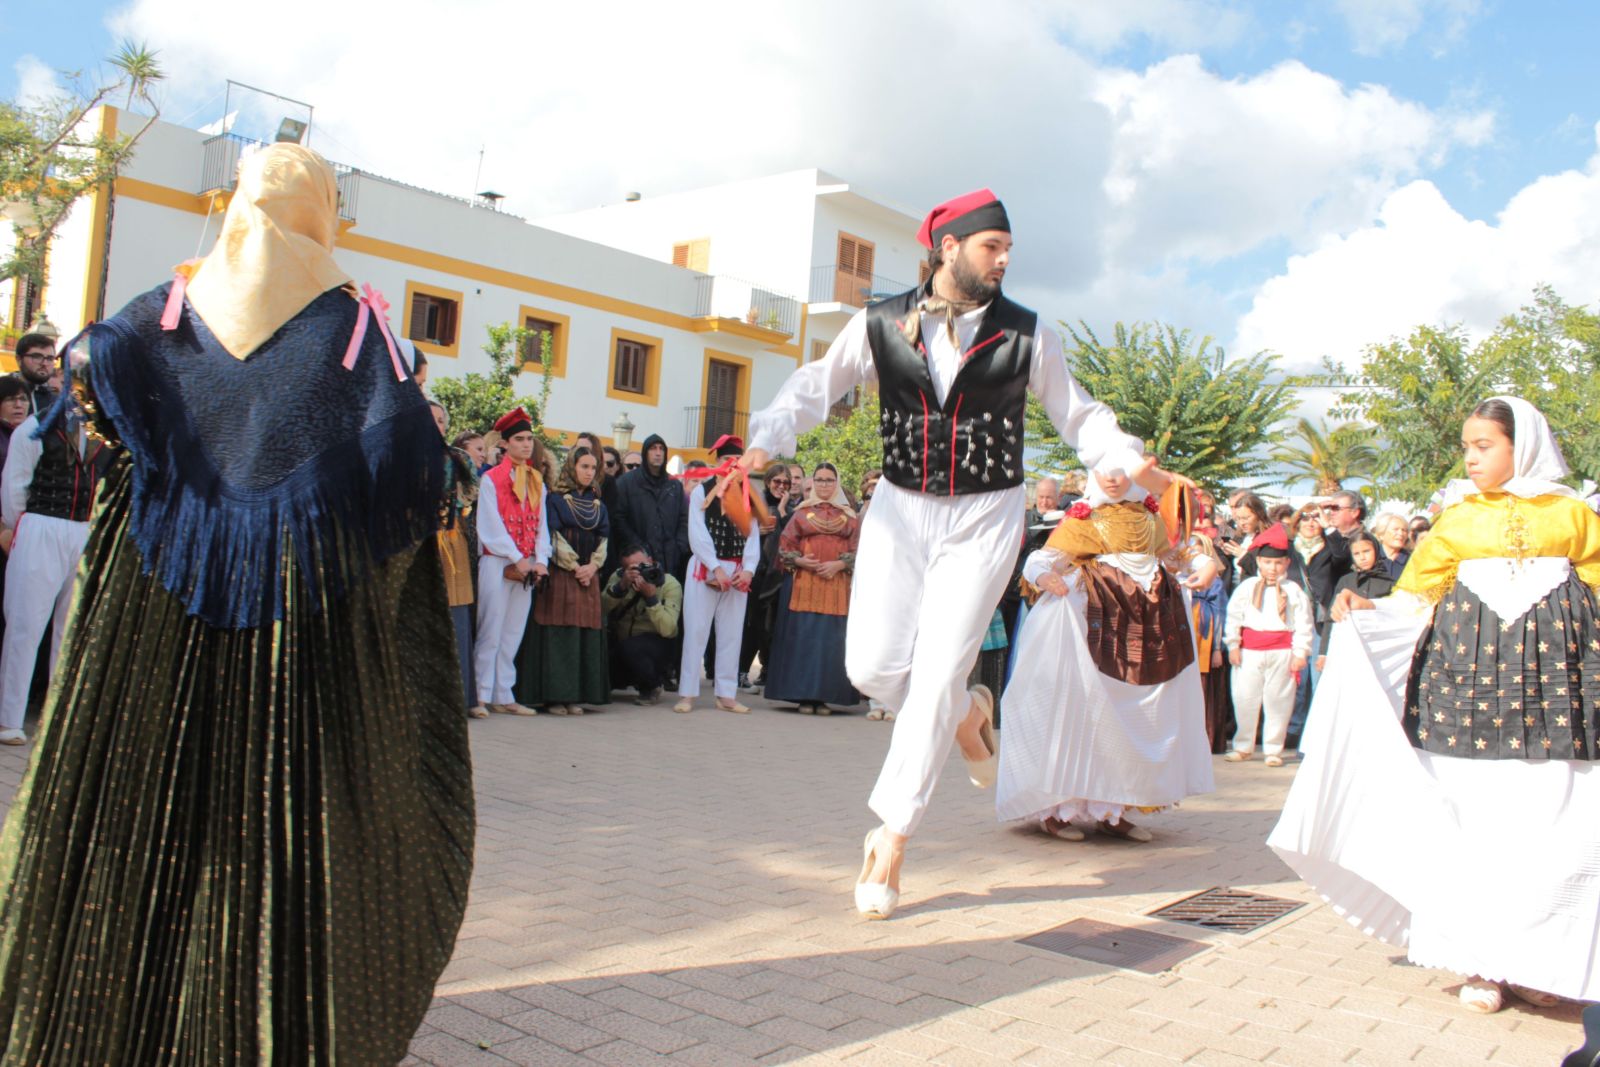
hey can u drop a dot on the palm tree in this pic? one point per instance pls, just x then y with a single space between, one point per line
1329 458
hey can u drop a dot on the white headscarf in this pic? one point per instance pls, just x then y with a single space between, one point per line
1096 496
1538 463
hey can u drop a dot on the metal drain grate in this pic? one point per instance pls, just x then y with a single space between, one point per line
1230 910
1132 947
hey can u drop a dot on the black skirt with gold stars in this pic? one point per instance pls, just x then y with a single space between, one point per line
1486 688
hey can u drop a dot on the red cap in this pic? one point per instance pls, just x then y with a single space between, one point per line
962 217
513 422
728 445
1271 542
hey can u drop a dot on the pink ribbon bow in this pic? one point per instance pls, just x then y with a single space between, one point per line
372 299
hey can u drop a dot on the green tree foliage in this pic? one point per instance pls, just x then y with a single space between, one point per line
850 442
1418 390
1328 458
49 159
475 400
1201 414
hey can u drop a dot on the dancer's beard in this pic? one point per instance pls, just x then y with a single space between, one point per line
970 285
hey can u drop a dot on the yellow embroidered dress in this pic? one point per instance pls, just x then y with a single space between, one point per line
1448 796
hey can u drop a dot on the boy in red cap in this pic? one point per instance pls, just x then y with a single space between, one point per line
514 533
954 361
1269 636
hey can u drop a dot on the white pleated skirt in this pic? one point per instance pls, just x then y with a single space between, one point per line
1481 867
1077 744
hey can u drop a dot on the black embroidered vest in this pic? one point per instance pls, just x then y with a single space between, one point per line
64 482
725 536
973 442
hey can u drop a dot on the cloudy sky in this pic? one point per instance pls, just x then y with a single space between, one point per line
1300 177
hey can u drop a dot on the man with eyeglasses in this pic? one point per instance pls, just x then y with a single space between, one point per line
36 363
1342 514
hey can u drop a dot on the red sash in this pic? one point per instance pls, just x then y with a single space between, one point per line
1267 640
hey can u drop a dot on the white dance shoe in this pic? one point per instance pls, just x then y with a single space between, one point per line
874 900
983 772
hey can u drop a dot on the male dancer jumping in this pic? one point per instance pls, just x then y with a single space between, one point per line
954 361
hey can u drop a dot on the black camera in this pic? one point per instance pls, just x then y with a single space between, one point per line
650 573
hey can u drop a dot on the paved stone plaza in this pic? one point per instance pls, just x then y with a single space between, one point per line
651 885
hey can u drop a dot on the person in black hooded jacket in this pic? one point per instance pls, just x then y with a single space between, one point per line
652 512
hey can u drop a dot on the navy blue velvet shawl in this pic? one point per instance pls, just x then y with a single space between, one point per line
241 466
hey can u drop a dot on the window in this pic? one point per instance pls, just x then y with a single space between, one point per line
695 255
722 397
819 349
433 319
632 360
725 397
544 324
852 282
635 372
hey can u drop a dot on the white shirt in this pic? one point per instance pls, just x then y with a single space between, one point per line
492 534
1084 423
701 546
1243 615
22 459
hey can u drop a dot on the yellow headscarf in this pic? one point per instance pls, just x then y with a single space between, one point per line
274 254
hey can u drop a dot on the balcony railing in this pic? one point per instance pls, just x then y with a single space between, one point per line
719 296
828 286
219 170
703 425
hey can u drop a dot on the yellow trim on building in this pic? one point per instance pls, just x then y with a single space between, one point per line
558 342
415 289
652 371
99 204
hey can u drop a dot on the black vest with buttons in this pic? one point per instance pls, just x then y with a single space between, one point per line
725 536
64 482
973 442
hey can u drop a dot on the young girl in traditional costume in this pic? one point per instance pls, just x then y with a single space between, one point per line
1104 713
563 663
1448 801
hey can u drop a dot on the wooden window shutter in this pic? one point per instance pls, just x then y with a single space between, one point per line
419 318
693 255
448 311
844 278
864 256
680 254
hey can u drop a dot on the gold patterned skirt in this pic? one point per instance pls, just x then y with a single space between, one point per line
237 846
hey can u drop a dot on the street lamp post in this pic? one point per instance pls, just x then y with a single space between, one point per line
622 433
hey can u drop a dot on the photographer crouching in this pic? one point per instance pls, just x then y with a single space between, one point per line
642 604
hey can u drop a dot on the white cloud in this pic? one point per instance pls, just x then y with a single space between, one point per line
1207 168
1184 24
1378 26
1422 262
36 83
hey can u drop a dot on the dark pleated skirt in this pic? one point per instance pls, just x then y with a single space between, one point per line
563 665
461 617
237 846
1217 687
808 658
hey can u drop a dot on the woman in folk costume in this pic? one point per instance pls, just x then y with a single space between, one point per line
725 546
564 662
954 361
1271 625
246 835
1104 714
818 548
457 549
1464 707
514 537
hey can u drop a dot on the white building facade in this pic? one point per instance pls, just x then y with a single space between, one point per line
684 349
